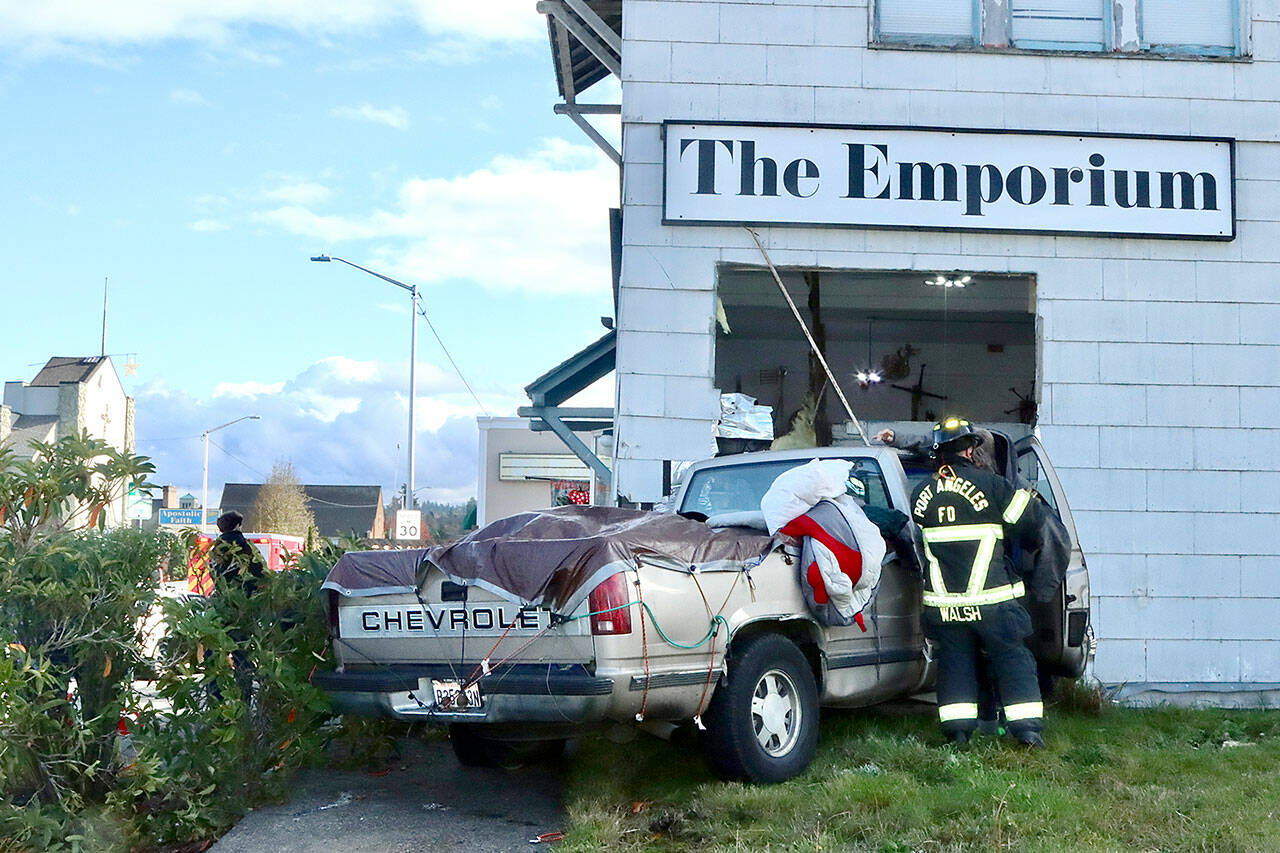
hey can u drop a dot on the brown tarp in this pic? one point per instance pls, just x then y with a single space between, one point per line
360 573
555 556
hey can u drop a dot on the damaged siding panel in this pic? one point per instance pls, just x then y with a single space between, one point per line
1124 26
1059 24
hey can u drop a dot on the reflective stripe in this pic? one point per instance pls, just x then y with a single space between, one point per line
958 711
1017 506
995 595
1024 711
986 535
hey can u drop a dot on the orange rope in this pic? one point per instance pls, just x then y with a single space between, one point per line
471 679
644 647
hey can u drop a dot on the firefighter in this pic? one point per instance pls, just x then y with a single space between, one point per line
972 591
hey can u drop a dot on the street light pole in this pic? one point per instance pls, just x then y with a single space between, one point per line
204 489
413 362
413 359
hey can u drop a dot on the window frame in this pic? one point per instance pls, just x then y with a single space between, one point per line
1108 30
1238 51
923 39
1235 50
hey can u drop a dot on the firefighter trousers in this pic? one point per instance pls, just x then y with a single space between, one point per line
999 630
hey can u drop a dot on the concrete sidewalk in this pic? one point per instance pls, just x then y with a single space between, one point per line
426 801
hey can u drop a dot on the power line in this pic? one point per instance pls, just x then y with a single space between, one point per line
340 506
456 369
238 459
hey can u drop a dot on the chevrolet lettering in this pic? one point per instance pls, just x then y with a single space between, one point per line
411 620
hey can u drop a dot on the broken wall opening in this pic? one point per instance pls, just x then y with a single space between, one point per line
905 346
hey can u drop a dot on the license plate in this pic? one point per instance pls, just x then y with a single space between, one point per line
451 697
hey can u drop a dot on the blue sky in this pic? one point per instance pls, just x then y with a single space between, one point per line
198 156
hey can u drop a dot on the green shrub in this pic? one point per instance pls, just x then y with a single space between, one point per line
217 715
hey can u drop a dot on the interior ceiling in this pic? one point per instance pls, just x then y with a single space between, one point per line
887 327
883 294
887 306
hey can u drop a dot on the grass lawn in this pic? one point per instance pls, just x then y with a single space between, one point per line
1120 779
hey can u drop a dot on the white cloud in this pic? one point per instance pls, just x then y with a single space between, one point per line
537 222
338 421
247 389
208 225
52 24
297 192
188 96
393 116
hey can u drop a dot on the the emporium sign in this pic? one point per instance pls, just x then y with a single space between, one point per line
719 173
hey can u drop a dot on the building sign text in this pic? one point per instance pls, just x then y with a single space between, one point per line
723 173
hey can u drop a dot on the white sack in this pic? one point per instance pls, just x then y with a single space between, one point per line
795 491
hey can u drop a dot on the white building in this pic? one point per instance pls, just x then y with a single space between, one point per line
1135 305
67 397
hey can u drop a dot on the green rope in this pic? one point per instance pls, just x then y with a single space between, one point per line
711 631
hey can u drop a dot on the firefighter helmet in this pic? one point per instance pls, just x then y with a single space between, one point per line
954 435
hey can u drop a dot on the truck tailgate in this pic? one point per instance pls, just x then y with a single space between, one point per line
454 625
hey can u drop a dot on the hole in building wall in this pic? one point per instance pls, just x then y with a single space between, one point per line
905 345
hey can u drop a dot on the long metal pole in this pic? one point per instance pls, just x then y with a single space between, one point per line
831 377
104 316
204 489
413 387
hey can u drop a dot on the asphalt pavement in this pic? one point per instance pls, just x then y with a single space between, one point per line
424 801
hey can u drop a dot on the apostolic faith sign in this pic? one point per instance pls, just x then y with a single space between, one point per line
974 180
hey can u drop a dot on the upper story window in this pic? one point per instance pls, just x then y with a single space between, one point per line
943 22
1195 27
1057 24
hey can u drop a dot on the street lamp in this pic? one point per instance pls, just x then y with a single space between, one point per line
204 490
413 356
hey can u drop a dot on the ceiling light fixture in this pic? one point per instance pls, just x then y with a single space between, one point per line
941 280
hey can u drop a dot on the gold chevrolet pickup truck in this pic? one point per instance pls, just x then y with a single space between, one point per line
528 631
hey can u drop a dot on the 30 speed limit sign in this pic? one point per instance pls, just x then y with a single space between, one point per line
408 524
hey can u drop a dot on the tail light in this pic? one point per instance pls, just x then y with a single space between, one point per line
610 607
333 613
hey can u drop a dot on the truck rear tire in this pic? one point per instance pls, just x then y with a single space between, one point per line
762 722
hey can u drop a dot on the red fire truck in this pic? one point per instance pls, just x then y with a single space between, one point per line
279 552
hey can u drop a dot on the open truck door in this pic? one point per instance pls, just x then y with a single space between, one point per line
1060 641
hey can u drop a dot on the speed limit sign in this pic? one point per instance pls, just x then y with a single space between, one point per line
408 524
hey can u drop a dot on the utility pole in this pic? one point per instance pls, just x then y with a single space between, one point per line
413 359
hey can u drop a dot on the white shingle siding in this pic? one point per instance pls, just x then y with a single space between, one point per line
1160 362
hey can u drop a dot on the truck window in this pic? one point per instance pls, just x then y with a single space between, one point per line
739 488
1030 470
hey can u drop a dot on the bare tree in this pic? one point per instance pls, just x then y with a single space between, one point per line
281 506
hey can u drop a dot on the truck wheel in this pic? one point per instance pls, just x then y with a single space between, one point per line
473 749
762 723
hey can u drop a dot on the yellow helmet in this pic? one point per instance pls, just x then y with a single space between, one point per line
954 435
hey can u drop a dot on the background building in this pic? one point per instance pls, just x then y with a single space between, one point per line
522 470
338 510
1138 330
67 397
